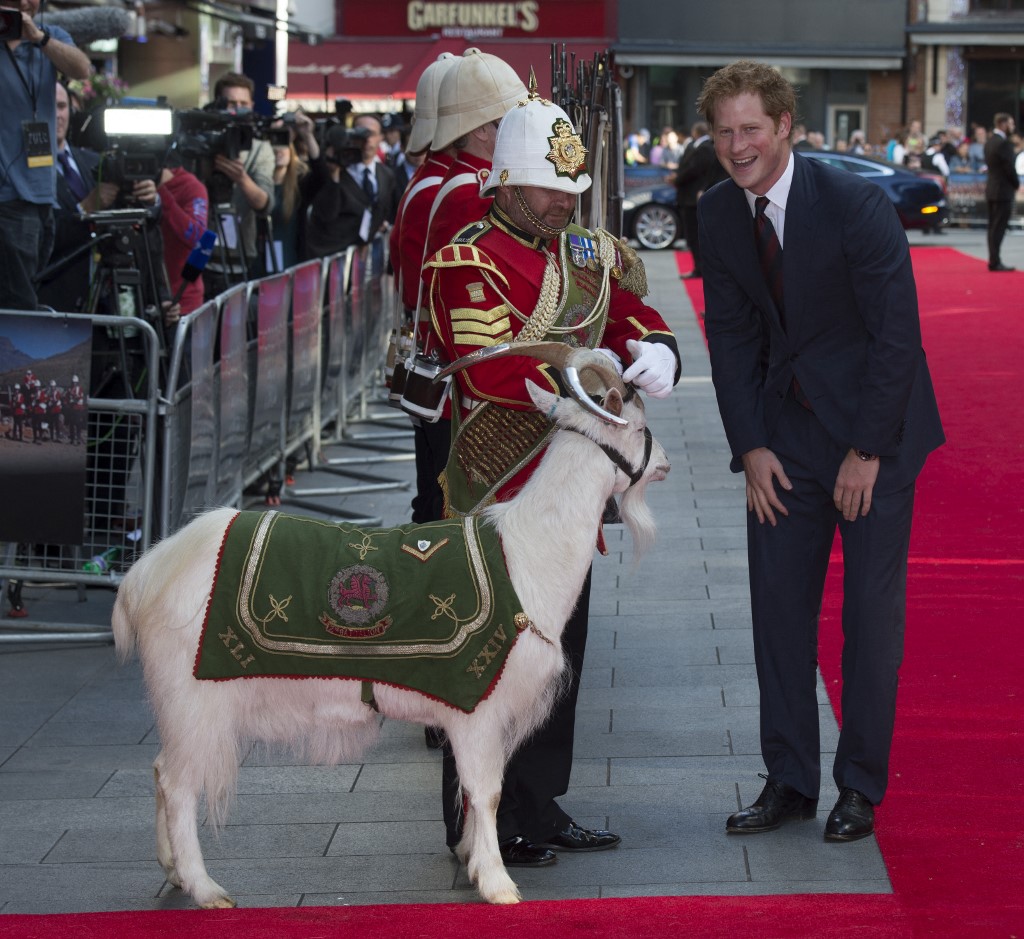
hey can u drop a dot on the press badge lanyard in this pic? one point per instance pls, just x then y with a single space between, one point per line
35 133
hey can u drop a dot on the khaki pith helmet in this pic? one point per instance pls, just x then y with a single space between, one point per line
424 121
479 89
538 146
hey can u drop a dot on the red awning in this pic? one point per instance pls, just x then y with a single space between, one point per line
346 68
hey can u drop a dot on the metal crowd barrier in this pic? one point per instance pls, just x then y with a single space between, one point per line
268 370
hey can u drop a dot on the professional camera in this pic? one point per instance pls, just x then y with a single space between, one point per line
10 24
132 142
346 144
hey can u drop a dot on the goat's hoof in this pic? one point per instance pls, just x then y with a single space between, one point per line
223 902
498 888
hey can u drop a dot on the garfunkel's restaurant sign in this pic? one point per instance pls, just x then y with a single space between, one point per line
475 19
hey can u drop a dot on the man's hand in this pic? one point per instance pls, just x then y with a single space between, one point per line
653 369
854 485
101 197
762 468
233 169
144 191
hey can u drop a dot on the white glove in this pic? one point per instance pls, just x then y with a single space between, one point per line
616 361
653 369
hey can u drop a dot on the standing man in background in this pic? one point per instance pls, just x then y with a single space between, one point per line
698 171
831 427
28 77
1001 184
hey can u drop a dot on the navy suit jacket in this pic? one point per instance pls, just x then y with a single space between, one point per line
852 335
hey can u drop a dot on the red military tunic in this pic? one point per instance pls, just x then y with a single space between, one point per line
484 289
462 204
409 235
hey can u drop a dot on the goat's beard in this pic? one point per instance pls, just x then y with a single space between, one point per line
638 518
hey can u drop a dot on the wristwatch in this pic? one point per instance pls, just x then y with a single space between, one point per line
865 456
46 38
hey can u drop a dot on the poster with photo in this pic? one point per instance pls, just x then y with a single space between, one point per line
44 387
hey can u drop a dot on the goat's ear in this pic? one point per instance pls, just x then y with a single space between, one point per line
613 402
543 400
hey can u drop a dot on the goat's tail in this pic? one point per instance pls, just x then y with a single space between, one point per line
122 622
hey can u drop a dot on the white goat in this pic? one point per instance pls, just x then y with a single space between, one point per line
548 534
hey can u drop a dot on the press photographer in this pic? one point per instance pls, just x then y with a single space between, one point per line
360 197
247 166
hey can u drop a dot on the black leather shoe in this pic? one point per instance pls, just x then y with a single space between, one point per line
574 838
1000 267
518 852
776 804
853 817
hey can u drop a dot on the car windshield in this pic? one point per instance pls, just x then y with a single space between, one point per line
853 165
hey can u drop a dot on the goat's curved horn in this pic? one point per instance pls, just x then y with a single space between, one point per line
569 361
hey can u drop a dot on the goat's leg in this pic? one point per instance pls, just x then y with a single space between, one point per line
164 854
178 800
480 758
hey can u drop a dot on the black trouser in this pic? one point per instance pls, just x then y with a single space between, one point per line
690 233
539 771
999 213
433 441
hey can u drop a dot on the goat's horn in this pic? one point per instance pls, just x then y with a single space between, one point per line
569 361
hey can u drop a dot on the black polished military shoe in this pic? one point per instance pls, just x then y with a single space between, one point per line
574 838
776 804
853 817
518 852
1001 267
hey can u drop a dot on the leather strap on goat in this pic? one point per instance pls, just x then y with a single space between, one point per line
424 607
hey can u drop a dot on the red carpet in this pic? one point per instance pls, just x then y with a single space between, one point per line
948 830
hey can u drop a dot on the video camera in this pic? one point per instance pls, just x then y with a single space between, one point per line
206 133
133 142
10 24
347 144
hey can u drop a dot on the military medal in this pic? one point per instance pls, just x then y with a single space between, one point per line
582 251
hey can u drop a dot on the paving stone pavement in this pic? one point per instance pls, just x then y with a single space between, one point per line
666 745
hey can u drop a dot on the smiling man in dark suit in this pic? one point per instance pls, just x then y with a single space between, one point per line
823 388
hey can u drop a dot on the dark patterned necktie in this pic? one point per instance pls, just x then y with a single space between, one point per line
371 193
769 253
75 182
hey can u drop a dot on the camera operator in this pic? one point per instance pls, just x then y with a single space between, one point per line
31 59
360 197
251 174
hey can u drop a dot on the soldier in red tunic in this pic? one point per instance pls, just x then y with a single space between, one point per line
526 273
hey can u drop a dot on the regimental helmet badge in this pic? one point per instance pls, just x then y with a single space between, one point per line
567 151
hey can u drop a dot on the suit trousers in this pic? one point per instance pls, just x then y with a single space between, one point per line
539 770
788 564
999 212
691 233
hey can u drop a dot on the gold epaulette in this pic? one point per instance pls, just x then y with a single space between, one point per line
629 269
456 255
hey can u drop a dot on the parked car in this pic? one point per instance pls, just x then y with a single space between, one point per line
650 214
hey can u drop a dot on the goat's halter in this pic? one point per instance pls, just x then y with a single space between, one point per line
634 475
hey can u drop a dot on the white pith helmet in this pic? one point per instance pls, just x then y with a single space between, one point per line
424 121
478 89
538 146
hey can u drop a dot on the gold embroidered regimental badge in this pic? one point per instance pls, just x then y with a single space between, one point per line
567 151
